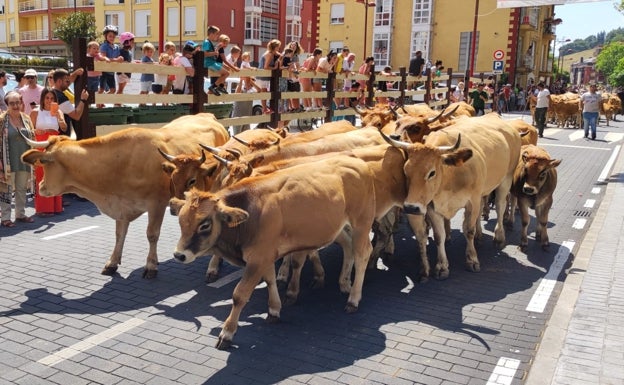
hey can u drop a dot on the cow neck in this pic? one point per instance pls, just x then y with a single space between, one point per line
228 246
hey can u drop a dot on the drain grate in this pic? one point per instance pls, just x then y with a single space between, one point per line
582 213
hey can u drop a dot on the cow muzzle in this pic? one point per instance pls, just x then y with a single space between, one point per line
415 209
180 256
529 190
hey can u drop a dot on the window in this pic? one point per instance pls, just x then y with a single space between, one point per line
383 13
293 8
173 21
422 11
293 31
190 21
270 6
337 14
141 22
252 26
3 35
112 19
268 29
465 44
252 3
381 49
336 46
420 42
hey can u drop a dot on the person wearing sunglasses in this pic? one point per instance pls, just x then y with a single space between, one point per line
31 92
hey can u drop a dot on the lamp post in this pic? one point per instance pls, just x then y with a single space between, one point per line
563 60
366 5
564 40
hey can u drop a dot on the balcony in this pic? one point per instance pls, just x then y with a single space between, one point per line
33 5
253 6
528 23
63 4
34 35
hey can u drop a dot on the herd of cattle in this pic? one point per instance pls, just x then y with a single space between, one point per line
564 109
269 194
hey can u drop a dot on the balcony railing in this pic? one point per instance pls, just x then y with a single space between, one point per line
32 5
34 35
71 3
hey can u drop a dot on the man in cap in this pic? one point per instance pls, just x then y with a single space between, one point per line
31 92
181 84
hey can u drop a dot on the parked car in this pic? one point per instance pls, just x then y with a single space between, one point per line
231 84
4 54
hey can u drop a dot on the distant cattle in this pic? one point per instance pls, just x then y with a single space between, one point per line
610 106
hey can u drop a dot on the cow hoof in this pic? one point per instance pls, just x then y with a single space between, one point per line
212 277
442 275
149 274
282 285
473 267
350 308
289 300
523 248
271 319
545 246
109 270
317 283
423 279
499 244
223 344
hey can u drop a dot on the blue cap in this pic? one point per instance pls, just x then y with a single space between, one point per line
190 43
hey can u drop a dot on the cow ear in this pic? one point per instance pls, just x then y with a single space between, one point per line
209 171
168 167
233 216
458 157
555 163
256 161
175 205
36 157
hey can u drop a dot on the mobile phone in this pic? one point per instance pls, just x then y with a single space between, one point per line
53 108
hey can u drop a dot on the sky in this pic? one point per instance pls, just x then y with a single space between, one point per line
585 19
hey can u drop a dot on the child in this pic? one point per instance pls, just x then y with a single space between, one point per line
246 82
211 53
93 76
224 41
147 79
170 49
113 53
127 43
160 81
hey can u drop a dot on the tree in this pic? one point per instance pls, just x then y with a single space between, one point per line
78 24
608 59
616 78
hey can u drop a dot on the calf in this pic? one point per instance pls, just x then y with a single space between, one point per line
534 181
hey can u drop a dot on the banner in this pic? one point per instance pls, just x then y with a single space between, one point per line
532 3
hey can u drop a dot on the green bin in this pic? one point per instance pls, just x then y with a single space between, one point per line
154 114
220 110
109 115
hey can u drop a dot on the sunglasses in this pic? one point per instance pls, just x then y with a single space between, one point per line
29 77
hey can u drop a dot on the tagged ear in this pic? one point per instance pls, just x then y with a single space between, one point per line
175 205
168 167
36 157
232 216
458 157
525 156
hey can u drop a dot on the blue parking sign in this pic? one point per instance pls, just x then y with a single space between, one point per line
498 66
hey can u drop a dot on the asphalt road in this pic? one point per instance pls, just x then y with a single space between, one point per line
61 322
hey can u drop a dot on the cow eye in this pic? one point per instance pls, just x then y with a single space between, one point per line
431 174
206 226
191 182
542 174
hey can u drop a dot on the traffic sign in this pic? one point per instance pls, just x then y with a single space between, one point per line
498 66
499 54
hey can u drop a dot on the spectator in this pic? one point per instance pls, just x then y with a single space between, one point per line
234 56
14 174
113 53
170 49
293 84
211 63
365 69
326 65
31 92
590 105
416 65
541 107
477 99
458 94
160 80
309 65
3 82
181 84
268 61
93 76
246 82
147 79
62 81
127 46
521 99
382 84
19 78
347 69
48 121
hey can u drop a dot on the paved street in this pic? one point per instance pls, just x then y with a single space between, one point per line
61 322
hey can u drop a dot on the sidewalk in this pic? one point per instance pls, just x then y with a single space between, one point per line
584 340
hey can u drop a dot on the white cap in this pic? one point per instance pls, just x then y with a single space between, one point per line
30 72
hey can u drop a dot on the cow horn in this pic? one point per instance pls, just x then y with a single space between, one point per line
396 114
358 109
34 143
451 148
431 120
270 128
241 141
393 142
446 115
224 161
235 153
212 150
202 159
170 158
524 133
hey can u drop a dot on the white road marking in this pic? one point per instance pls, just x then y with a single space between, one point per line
596 190
613 137
551 131
227 279
409 287
504 372
69 233
576 135
579 223
544 290
571 146
605 171
589 203
90 342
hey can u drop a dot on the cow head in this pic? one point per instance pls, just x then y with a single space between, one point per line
537 168
238 170
202 217
424 169
376 117
54 161
186 171
258 144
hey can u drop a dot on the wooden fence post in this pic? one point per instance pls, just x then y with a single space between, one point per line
330 90
199 95
402 85
370 86
449 91
83 128
427 96
276 96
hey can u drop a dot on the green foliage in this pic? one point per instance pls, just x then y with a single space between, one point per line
79 24
616 78
609 57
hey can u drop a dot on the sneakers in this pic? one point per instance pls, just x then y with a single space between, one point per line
214 90
222 89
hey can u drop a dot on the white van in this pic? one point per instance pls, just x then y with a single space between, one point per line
231 84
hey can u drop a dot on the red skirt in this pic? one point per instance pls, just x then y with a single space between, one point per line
45 205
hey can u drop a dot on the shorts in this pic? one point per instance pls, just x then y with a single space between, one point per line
266 84
216 66
93 83
294 86
146 86
123 78
317 81
347 85
107 81
157 88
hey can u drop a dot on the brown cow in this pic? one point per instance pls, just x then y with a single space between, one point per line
610 106
251 223
535 180
121 174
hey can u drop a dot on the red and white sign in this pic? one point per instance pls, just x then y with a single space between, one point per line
499 54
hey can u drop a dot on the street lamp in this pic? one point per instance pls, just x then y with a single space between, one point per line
564 40
366 5
563 59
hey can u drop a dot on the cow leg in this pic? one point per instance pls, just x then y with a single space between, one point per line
501 206
510 213
212 274
284 271
319 272
154 223
419 227
252 274
524 215
297 259
441 270
383 234
541 215
121 230
362 248
345 241
471 216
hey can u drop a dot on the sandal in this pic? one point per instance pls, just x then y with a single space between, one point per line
8 223
45 215
25 220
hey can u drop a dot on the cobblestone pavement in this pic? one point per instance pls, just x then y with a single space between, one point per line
61 322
